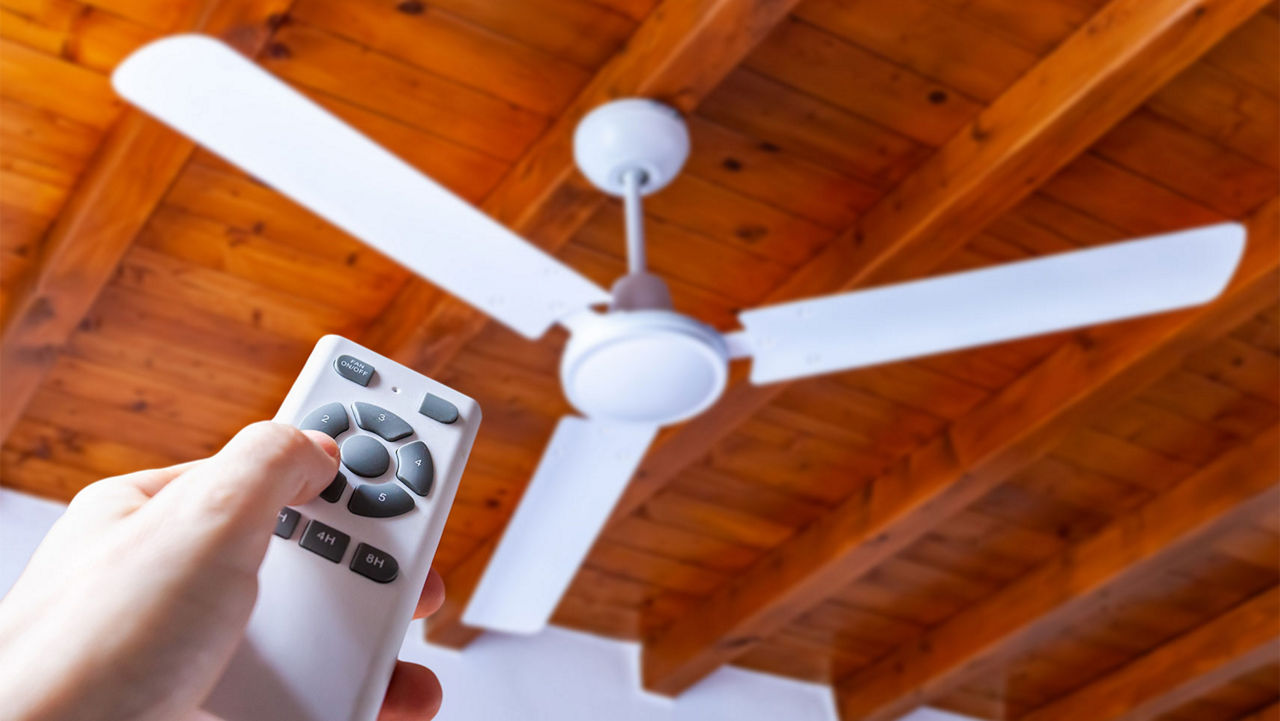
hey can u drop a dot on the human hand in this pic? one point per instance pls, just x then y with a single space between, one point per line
134 602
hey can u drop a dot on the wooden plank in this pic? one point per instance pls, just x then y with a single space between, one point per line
1038 27
1073 584
807 127
1223 108
452 48
759 170
927 37
1269 713
1250 54
732 219
585 33
82 33
1007 433
39 136
134 167
1237 642
676 55
847 76
321 61
56 85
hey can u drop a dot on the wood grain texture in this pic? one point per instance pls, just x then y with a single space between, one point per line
1063 591
1241 640
997 439
134 167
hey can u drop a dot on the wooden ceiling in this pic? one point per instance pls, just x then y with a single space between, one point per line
1084 525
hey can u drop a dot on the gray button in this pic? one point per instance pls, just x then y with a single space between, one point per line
330 418
381 421
380 500
373 563
325 541
353 369
365 456
286 521
333 492
414 467
438 409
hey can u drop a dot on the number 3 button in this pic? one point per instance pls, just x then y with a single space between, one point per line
380 500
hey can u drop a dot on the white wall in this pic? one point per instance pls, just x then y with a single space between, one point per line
558 674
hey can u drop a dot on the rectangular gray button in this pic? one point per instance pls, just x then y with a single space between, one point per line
438 409
325 541
353 369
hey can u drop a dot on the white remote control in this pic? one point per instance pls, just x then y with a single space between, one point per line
343 572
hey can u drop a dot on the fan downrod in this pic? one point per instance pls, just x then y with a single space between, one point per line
641 362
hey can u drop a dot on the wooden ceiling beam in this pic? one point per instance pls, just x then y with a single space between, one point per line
138 160
1068 588
1235 643
681 51
1094 370
1267 713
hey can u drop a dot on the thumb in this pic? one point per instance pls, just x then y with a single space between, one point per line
265 466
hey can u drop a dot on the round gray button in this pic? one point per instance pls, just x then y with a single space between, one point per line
365 456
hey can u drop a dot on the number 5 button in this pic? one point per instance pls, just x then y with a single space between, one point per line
379 500
414 467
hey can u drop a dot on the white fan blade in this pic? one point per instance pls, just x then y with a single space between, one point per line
582 474
974 308
218 98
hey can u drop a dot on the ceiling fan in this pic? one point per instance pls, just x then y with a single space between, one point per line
637 364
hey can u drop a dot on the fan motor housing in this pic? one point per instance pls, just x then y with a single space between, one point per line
643 366
631 134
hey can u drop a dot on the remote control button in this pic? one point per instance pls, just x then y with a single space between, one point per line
414 467
375 564
353 369
438 409
324 541
286 521
333 492
330 418
365 456
380 500
381 421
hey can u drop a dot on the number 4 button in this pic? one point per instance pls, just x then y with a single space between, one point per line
414 467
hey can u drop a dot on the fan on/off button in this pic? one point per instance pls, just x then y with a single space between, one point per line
353 369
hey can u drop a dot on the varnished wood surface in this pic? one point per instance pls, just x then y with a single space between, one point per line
825 132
